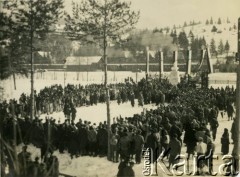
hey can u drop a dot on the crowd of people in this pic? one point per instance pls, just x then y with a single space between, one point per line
181 110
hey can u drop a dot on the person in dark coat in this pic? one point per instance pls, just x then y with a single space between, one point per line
52 165
73 143
225 142
114 145
233 130
165 141
152 143
124 146
102 140
92 139
230 111
175 130
175 149
214 125
83 140
138 145
125 169
74 111
191 140
24 159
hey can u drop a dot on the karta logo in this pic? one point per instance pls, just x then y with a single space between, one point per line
150 169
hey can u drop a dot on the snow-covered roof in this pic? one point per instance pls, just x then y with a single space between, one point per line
43 54
73 60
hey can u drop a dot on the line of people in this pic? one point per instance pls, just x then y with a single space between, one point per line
155 128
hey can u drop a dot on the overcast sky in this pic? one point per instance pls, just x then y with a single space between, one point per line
162 13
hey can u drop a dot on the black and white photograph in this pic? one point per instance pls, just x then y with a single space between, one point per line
119 88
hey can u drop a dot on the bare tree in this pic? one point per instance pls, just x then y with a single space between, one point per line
101 22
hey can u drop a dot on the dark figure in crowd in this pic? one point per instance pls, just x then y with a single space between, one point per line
175 150
233 130
138 145
83 140
114 145
102 140
92 139
124 146
125 169
209 155
190 140
24 160
225 142
214 125
165 140
74 111
175 130
153 144
230 111
52 165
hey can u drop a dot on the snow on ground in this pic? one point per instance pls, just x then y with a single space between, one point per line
97 113
222 80
49 78
100 167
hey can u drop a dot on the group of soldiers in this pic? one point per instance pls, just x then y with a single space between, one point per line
56 98
179 108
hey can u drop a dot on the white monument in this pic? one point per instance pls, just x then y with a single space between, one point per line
174 77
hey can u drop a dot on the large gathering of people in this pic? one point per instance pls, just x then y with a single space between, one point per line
181 118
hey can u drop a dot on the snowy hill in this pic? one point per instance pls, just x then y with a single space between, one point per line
225 32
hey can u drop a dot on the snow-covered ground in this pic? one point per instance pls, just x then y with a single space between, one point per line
222 79
100 167
49 78
97 113
46 79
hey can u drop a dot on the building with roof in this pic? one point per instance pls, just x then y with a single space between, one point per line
82 60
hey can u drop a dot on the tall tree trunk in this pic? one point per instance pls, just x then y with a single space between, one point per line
105 83
236 147
14 81
32 65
